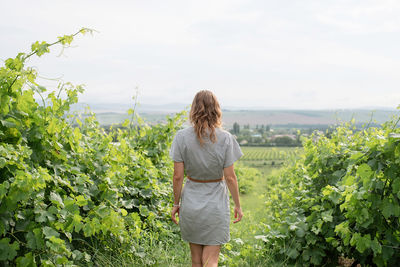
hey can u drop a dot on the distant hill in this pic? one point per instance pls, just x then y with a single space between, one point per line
116 113
306 117
123 107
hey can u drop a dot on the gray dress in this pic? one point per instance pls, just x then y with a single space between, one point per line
204 213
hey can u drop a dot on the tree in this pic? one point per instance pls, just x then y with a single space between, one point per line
236 128
283 141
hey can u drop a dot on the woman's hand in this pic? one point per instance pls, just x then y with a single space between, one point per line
174 212
238 214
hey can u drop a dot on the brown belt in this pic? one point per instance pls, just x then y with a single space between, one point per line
205 181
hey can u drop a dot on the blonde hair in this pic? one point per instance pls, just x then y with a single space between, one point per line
205 113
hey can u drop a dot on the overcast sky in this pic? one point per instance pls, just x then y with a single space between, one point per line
271 54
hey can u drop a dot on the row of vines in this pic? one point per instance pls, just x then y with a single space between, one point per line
65 188
340 202
266 153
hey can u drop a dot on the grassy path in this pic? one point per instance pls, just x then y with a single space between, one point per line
244 249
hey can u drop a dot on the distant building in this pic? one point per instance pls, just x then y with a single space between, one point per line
291 136
243 142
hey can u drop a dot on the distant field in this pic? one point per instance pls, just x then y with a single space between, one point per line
266 154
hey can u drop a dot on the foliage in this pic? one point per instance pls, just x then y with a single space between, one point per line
236 128
341 199
64 188
245 177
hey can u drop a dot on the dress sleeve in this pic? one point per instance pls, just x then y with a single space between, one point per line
175 151
233 152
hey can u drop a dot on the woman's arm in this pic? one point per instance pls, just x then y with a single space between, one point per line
231 181
177 187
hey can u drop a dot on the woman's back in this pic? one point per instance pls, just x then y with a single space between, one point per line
207 153
205 162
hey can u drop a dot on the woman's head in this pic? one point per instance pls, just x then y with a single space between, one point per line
205 113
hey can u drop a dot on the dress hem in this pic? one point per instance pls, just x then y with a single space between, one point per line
208 244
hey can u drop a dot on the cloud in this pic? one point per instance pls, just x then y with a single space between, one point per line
260 53
362 17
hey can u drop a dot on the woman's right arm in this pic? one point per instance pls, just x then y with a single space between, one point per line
231 182
177 188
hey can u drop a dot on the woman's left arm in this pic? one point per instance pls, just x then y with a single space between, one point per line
177 187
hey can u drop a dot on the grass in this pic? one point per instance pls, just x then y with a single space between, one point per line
245 249
148 252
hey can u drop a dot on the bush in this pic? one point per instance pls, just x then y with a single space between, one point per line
245 176
341 199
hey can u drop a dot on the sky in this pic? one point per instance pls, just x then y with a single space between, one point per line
251 53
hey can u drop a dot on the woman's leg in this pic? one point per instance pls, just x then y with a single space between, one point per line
210 256
197 251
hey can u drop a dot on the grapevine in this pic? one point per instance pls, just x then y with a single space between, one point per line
340 200
64 186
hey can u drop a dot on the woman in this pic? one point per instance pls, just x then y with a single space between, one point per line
207 153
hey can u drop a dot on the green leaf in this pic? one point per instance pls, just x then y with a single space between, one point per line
81 201
343 231
56 199
387 208
40 48
77 222
46 263
316 256
396 187
364 170
49 232
62 260
43 215
332 240
8 123
361 242
123 212
376 247
35 239
293 253
66 39
306 254
77 255
28 260
57 245
3 187
355 156
387 253
146 193
8 250
327 216
300 232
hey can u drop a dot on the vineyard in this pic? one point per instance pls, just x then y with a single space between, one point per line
69 196
340 202
269 153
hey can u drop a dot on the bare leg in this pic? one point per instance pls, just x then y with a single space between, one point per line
210 256
196 250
